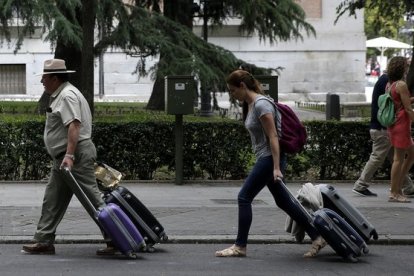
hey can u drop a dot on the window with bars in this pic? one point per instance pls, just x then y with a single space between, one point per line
12 79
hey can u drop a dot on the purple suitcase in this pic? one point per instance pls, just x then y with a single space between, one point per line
114 222
146 223
121 230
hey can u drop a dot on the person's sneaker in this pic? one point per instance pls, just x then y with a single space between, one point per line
365 192
39 248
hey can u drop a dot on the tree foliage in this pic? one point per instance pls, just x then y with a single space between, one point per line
140 28
57 18
389 13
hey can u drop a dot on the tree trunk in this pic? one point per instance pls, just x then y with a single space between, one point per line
81 60
73 57
43 103
88 27
157 99
181 12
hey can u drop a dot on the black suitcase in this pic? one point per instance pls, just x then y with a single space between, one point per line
116 224
333 201
149 227
346 242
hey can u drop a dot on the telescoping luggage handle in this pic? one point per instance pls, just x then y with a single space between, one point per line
299 210
135 215
91 209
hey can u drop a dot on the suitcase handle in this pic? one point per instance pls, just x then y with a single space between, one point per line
81 195
303 215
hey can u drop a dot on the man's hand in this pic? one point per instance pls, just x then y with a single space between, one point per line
67 162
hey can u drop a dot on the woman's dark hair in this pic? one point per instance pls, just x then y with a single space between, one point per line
239 76
396 68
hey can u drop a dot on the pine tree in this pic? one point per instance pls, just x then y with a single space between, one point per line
140 27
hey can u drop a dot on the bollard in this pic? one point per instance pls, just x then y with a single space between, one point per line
333 109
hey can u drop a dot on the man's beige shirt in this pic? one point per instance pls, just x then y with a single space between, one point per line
66 105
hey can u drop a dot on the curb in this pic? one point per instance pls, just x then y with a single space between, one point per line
211 239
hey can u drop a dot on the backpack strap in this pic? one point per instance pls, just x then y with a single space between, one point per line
278 120
389 90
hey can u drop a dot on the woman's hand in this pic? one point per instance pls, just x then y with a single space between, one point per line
277 174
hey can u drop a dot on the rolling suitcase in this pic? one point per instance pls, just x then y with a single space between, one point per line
333 201
150 228
346 242
114 222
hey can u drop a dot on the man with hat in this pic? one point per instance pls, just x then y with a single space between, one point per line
67 136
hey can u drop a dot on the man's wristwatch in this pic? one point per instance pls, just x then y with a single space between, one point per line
71 156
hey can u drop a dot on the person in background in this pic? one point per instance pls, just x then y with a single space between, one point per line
67 136
381 148
259 119
400 131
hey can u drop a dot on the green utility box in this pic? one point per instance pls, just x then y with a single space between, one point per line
269 85
179 94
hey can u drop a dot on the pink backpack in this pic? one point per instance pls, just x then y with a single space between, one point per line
292 133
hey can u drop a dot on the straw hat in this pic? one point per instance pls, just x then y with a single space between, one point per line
55 66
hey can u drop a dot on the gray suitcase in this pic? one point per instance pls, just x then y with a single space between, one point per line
333 201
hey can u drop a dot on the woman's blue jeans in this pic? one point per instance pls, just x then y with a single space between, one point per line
260 176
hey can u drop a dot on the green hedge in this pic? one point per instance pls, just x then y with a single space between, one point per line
212 150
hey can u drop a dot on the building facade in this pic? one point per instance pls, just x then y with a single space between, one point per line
331 62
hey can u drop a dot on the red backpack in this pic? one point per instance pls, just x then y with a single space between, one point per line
292 133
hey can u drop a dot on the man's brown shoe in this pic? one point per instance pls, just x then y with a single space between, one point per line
39 248
107 251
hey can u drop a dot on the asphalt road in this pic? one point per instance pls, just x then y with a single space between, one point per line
198 259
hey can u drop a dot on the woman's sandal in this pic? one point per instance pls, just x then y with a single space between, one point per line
232 251
398 199
317 245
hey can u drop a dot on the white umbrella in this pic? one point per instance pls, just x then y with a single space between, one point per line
383 43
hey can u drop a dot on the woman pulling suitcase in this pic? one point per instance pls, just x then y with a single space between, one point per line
258 116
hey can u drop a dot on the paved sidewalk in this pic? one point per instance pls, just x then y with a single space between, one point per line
200 212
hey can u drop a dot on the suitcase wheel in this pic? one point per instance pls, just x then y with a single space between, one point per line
164 238
352 258
149 249
374 234
132 255
365 250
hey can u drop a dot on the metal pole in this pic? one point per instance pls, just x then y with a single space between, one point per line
101 67
179 143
